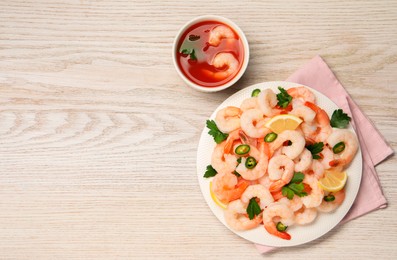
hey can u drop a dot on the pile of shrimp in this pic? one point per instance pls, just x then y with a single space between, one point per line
277 161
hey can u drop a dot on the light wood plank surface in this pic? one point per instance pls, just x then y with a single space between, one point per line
98 134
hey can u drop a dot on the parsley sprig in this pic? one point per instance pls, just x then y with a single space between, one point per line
190 52
253 208
315 149
215 132
210 172
294 187
339 119
283 98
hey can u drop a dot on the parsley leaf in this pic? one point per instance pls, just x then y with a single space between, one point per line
283 98
210 172
315 149
287 192
298 177
295 186
339 119
214 131
253 208
190 52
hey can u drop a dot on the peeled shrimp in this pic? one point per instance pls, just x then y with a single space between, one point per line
281 171
228 119
218 33
249 103
252 123
305 216
294 150
302 94
351 146
260 169
303 112
294 204
317 168
282 213
223 60
328 156
315 197
227 187
324 128
259 191
267 100
328 206
221 161
303 161
236 216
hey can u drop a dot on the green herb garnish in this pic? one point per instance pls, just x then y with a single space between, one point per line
295 187
339 119
253 208
214 131
190 52
283 98
315 149
210 172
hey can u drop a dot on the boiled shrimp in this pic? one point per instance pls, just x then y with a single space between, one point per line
218 33
221 161
315 197
324 128
249 103
267 100
228 119
227 187
252 123
281 171
305 216
297 146
260 168
303 112
294 204
328 206
327 157
277 211
257 191
236 216
303 161
302 94
317 169
226 65
351 146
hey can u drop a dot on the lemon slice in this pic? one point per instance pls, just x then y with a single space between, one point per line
283 122
333 181
215 198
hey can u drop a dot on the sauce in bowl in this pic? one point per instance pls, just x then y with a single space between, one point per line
210 53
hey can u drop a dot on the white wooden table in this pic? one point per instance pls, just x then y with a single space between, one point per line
98 134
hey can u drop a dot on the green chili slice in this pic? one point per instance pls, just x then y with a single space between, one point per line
339 147
250 163
329 198
255 92
270 137
281 227
242 149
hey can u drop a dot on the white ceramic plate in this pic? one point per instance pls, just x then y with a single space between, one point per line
299 234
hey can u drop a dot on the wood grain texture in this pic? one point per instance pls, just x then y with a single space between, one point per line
98 135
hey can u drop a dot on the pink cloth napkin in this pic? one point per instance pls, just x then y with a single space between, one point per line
316 74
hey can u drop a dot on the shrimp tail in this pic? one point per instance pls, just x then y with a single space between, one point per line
337 162
276 186
271 228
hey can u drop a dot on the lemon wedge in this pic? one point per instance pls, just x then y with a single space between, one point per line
333 181
215 198
283 122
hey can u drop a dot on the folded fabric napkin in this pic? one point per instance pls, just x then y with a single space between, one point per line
316 74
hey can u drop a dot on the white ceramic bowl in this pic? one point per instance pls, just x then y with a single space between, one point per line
222 20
